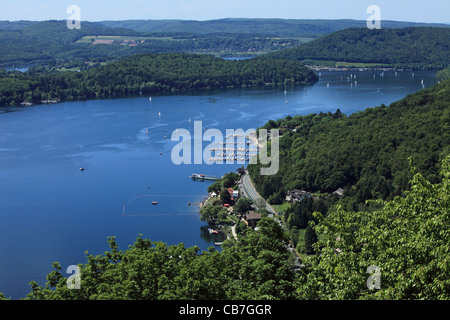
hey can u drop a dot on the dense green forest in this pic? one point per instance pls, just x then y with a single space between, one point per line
443 74
275 27
399 251
52 43
150 73
422 47
365 153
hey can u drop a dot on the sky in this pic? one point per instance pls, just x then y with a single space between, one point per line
98 10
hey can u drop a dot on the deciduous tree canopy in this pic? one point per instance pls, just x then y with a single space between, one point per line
150 73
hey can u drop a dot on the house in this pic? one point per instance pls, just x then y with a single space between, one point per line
252 218
234 194
339 192
296 195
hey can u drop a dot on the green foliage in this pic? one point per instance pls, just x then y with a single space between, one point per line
150 73
422 47
443 74
408 239
274 27
243 205
310 239
225 196
255 267
300 214
229 179
241 228
212 213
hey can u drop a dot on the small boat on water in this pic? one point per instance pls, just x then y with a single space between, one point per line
218 243
154 203
213 231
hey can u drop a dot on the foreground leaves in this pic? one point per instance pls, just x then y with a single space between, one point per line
408 240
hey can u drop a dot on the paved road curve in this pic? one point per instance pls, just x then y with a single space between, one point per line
248 189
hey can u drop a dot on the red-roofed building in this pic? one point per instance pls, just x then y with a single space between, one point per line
234 194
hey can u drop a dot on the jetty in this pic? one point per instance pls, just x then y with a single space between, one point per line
202 177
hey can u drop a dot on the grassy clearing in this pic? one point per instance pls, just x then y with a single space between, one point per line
282 207
88 39
359 65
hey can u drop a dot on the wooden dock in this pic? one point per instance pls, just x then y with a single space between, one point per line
202 177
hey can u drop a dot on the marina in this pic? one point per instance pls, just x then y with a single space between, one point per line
202 177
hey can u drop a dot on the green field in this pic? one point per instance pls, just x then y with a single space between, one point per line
359 65
88 39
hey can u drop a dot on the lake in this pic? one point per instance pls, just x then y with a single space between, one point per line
52 211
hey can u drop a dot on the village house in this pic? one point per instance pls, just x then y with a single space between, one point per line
296 195
252 218
339 192
234 194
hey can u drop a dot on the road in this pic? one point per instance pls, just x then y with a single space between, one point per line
247 188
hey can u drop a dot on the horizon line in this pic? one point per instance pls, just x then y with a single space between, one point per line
235 18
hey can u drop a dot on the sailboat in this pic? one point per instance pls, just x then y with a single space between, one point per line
159 114
150 99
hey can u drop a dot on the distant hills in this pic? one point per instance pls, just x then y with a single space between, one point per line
280 27
422 47
51 43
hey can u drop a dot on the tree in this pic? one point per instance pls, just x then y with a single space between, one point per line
225 196
260 203
229 180
211 213
153 270
408 240
243 205
310 239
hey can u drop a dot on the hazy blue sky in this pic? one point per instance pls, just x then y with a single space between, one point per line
96 10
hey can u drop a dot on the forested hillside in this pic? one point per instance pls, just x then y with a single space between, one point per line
365 153
276 27
407 47
150 73
443 74
49 42
52 43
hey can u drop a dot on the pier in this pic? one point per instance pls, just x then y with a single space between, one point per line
202 177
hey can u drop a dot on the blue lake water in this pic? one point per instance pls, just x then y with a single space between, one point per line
51 211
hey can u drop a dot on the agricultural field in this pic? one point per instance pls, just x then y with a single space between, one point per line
122 40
